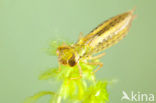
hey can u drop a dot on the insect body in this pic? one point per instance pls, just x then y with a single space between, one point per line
102 37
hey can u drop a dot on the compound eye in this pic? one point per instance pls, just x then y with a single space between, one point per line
72 61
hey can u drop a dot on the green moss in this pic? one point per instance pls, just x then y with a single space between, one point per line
84 90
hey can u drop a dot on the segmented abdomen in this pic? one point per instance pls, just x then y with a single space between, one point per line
108 33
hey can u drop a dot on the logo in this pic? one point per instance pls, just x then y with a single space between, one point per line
138 96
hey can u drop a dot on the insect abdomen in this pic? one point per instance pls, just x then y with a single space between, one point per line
108 43
110 32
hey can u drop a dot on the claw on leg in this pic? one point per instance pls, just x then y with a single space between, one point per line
96 63
100 66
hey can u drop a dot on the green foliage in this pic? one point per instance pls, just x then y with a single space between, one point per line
34 98
84 90
97 93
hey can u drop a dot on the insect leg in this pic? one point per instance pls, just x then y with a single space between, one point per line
96 63
97 57
59 69
80 35
80 72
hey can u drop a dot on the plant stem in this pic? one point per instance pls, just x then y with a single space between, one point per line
59 99
59 96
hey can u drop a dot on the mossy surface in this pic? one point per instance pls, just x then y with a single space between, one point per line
84 90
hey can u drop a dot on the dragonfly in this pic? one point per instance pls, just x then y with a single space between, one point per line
87 47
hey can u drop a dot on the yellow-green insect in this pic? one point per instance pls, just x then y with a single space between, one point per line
102 37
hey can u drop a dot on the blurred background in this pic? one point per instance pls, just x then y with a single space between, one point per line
28 26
